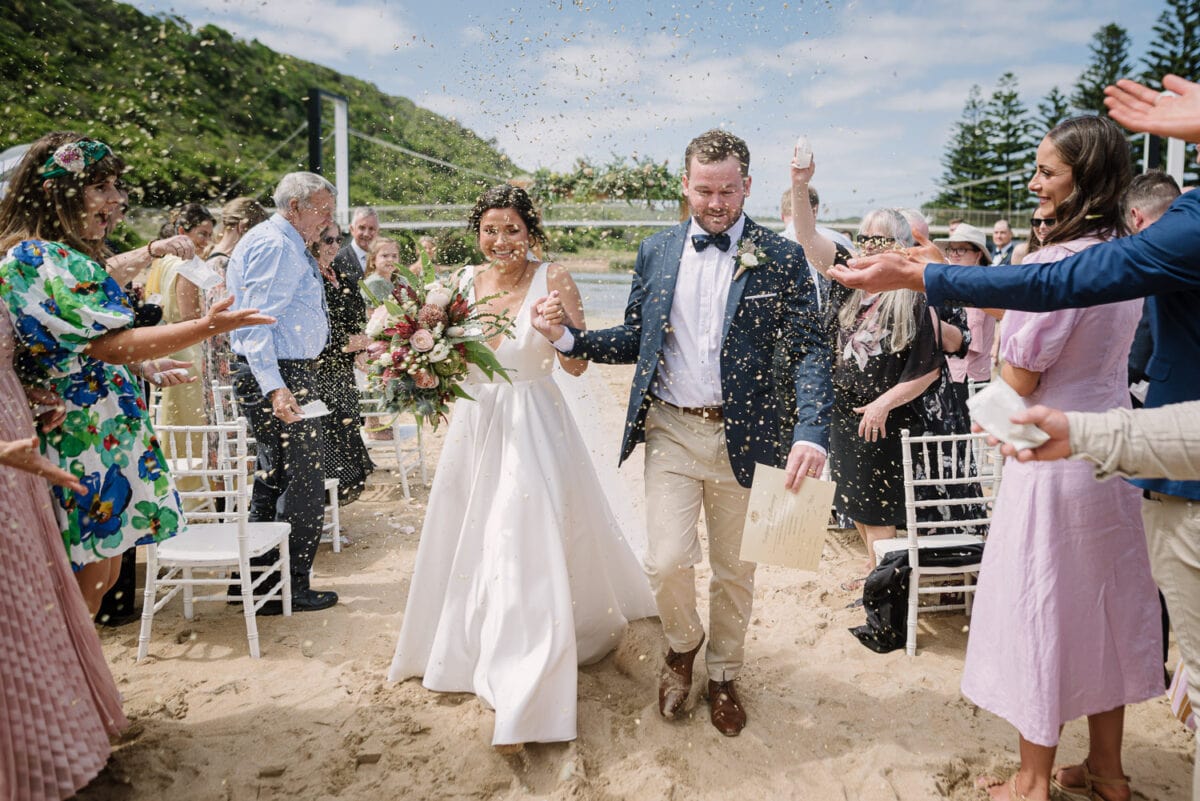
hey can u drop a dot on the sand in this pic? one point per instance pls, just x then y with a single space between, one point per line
314 718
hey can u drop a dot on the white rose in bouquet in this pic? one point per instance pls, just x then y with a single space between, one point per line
456 331
378 322
440 351
437 295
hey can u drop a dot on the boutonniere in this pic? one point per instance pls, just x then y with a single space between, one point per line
749 256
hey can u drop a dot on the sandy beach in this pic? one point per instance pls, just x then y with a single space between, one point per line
314 718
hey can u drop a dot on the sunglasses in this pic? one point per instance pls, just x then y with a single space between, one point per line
1037 222
330 240
865 241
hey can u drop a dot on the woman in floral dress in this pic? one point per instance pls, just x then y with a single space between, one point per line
72 324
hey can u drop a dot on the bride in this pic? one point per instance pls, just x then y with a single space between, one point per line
522 572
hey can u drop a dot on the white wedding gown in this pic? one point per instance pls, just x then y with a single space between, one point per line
522 572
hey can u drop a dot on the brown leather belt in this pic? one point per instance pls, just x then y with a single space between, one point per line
706 412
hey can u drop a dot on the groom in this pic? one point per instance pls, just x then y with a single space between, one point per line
711 300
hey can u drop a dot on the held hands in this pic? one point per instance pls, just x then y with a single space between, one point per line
873 424
23 454
548 316
285 407
1140 108
220 320
1053 422
803 462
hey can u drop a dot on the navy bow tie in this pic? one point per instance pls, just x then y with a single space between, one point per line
720 241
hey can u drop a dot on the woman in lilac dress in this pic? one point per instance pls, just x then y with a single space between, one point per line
1066 620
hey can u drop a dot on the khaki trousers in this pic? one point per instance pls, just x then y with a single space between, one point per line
1173 536
687 467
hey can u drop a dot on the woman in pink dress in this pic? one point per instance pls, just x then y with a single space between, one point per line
1066 619
58 701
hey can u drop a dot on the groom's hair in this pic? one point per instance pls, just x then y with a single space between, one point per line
715 146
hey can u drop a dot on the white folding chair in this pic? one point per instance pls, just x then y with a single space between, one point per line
215 540
225 410
405 444
936 458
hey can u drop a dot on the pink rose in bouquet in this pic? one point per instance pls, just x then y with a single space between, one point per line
422 340
425 379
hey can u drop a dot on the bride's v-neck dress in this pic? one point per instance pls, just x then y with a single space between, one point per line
522 572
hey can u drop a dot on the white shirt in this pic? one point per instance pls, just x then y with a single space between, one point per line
362 254
789 233
689 371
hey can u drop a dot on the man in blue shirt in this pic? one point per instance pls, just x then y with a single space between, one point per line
271 268
1163 262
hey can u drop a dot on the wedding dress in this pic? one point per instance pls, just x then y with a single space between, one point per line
522 572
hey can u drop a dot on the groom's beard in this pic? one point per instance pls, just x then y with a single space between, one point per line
717 221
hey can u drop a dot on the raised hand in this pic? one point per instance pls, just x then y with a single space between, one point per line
23 454
48 408
1140 108
220 320
548 316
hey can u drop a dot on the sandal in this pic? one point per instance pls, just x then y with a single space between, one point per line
1086 791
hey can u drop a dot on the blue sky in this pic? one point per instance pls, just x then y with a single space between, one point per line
876 86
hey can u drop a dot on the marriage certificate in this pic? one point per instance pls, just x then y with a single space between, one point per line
785 528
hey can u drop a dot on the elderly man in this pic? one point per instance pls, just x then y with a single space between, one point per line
1002 243
352 258
271 268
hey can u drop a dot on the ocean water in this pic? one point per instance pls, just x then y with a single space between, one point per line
604 296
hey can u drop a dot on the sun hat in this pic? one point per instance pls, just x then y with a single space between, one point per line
965 234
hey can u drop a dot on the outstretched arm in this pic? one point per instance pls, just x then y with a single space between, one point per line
138 344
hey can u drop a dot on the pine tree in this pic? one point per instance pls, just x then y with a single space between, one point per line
1010 136
1051 110
966 157
1110 62
1176 47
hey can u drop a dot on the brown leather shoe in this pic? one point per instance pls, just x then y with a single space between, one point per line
728 714
676 682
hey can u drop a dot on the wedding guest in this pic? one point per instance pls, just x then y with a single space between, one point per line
275 372
886 354
52 226
1001 251
61 704
716 293
181 300
522 571
382 259
1159 261
346 457
364 227
238 216
1055 529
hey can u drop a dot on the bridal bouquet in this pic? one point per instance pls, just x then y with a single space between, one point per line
425 337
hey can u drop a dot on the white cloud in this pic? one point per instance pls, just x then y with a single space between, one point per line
325 31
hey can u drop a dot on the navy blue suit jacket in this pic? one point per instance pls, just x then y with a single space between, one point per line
772 303
1162 262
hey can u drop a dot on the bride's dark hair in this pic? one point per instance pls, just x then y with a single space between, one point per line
507 196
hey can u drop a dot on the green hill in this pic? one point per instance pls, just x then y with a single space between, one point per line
198 113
